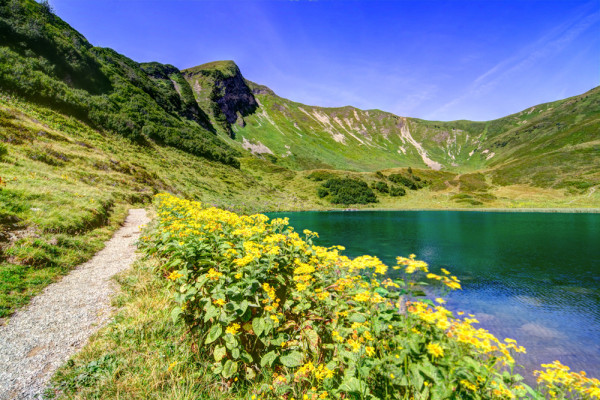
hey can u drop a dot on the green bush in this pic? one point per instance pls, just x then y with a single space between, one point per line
348 191
397 191
412 182
381 187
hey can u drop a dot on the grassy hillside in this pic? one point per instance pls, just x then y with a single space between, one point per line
49 63
551 145
65 187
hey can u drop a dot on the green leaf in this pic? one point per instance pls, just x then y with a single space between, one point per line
211 312
258 326
229 369
354 385
235 353
176 313
217 368
214 333
219 353
312 338
242 307
246 357
291 360
357 318
268 359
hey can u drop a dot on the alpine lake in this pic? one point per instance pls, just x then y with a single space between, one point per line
530 276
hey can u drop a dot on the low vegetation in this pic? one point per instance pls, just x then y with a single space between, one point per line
259 311
347 191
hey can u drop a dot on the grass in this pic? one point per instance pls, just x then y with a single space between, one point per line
66 186
142 354
58 206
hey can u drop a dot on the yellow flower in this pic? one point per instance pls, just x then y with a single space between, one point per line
468 385
175 275
435 350
233 329
219 302
362 296
370 351
440 300
213 274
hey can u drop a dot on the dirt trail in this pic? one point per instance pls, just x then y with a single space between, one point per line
59 321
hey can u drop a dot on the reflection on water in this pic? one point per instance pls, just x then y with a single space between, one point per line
534 277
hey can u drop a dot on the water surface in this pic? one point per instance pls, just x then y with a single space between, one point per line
534 277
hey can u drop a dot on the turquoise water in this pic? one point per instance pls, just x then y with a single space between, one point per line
533 277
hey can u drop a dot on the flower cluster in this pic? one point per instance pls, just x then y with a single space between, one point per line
259 296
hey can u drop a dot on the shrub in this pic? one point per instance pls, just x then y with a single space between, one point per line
404 180
397 191
259 298
381 187
349 191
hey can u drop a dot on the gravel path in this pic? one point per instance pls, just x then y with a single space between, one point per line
59 321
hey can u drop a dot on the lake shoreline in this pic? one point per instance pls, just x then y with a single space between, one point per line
503 210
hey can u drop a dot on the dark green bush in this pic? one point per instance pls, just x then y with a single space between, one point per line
348 191
381 187
412 182
397 191
322 192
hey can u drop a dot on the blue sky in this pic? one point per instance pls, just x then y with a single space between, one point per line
444 60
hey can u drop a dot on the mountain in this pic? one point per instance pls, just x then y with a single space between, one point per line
46 61
552 144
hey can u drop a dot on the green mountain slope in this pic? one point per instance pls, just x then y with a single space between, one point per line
552 144
48 62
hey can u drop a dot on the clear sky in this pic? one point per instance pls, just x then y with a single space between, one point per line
444 60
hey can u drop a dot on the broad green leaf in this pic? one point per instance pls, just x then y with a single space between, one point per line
357 318
214 333
235 353
217 368
312 338
258 326
211 312
291 360
219 353
176 313
242 307
268 359
246 357
354 385
229 369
